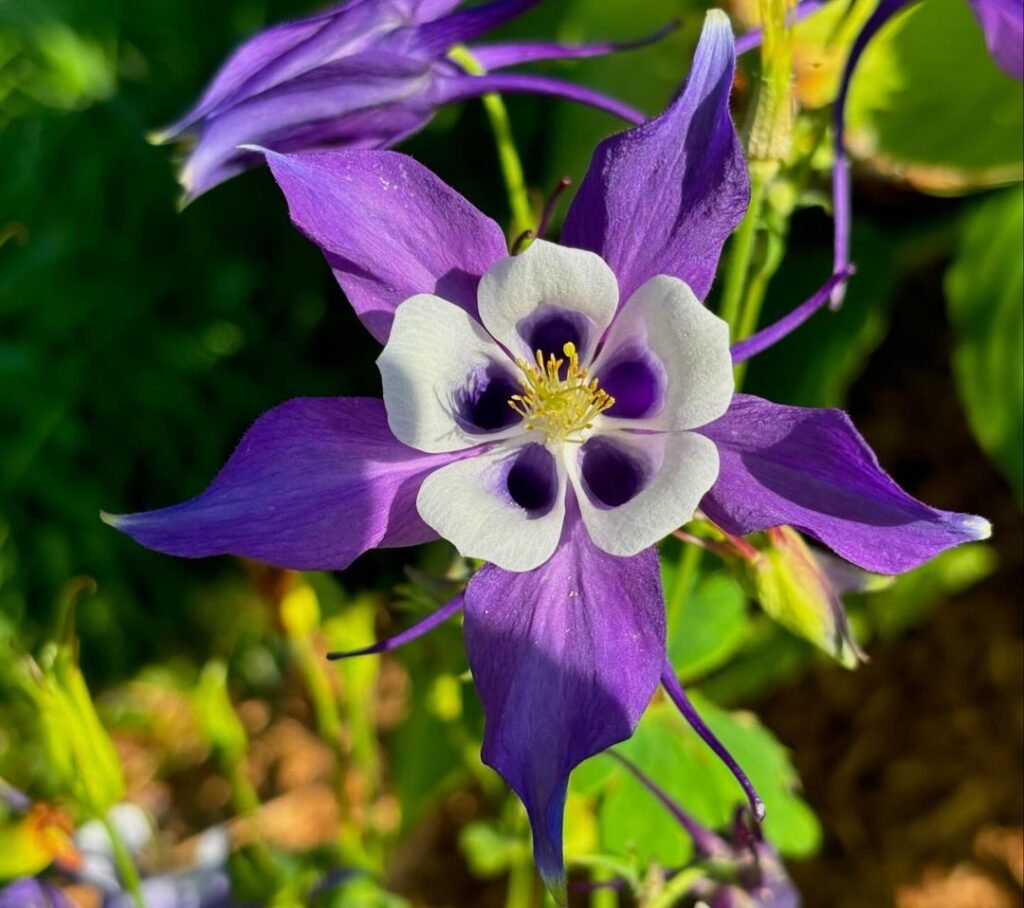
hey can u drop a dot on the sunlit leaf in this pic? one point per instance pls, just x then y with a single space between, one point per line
664 747
985 288
929 105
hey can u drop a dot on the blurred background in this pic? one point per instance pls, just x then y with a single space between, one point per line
138 342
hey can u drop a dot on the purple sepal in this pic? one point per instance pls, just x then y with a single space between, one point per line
438 37
678 696
282 52
312 485
389 228
424 626
1002 21
565 658
771 335
368 100
811 469
664 197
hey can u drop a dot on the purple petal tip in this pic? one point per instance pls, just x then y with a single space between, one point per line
112 520
978 527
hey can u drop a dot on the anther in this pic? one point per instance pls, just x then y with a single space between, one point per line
562 408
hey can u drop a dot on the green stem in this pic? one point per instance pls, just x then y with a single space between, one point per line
325 707
686 578
126 869
243 792
677 887
247 804
605 897
508 156
740 255
757 288
520 885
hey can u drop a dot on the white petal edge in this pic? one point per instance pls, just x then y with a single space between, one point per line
468 504
575 280
692 344
432 351
685 467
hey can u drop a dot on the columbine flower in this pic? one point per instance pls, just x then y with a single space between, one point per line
554 413
363 74
1002 22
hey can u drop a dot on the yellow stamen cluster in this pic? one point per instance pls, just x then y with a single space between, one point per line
561 408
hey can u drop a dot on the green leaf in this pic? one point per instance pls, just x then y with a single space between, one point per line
929 104
985 289
709 625
489 851
220 725
359 892
633 822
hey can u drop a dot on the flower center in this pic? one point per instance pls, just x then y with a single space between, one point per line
560 407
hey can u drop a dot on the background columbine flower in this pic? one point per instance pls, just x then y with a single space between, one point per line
565 629
363 74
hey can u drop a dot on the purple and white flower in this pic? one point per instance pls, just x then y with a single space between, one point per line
362 74
554 413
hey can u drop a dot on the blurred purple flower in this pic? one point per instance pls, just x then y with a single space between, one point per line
33 893
566 491
1002 22
204 883
362 74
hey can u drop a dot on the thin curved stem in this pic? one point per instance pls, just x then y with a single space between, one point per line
771 335
126 868
675 691
508 154
408 635
459 88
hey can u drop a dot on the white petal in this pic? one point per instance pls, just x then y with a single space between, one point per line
516 291
691 343
434 349
468 503
682 468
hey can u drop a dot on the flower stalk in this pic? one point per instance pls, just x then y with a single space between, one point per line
758 247
126 868
508 155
